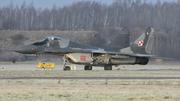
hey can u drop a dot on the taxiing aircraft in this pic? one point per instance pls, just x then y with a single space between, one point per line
118 52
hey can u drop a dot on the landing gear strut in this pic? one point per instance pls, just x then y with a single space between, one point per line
87 67
108 67
64 64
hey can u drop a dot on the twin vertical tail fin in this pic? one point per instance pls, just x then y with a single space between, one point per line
121 41
143 45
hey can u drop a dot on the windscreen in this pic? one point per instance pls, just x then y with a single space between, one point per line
42 42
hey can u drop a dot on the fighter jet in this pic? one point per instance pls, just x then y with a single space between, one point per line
118 52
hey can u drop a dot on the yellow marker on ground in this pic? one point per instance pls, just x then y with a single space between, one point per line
46 65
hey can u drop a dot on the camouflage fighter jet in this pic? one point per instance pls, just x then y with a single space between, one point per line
119 51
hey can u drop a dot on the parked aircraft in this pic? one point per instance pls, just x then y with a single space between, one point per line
118 52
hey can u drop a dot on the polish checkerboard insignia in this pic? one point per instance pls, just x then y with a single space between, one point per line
140 43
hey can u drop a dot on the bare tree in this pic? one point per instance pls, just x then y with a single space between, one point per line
88 15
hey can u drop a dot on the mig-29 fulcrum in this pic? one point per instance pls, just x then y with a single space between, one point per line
118 52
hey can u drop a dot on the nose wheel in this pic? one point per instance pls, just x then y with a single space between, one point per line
67 68
64 64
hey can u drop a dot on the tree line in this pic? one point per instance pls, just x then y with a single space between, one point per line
91 15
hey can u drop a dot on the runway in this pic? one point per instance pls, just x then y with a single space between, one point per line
88 78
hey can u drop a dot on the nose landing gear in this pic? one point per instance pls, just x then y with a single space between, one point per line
67 68
64 64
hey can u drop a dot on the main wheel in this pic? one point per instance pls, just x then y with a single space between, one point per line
108 67
67 68
87 67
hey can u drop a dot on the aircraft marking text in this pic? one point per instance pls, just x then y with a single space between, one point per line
83 58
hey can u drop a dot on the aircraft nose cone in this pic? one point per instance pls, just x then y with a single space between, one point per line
26 49
19 50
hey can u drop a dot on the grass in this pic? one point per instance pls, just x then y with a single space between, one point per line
94 73
166 97
90 90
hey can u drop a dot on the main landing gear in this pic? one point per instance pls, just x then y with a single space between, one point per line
107 67
87 67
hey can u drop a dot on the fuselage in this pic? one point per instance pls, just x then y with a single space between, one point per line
78 53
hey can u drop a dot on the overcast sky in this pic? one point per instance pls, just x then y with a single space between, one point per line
61 3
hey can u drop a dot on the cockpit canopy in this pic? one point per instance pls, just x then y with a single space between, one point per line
52 38
48 39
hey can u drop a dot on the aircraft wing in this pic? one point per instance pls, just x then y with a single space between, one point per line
65 51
